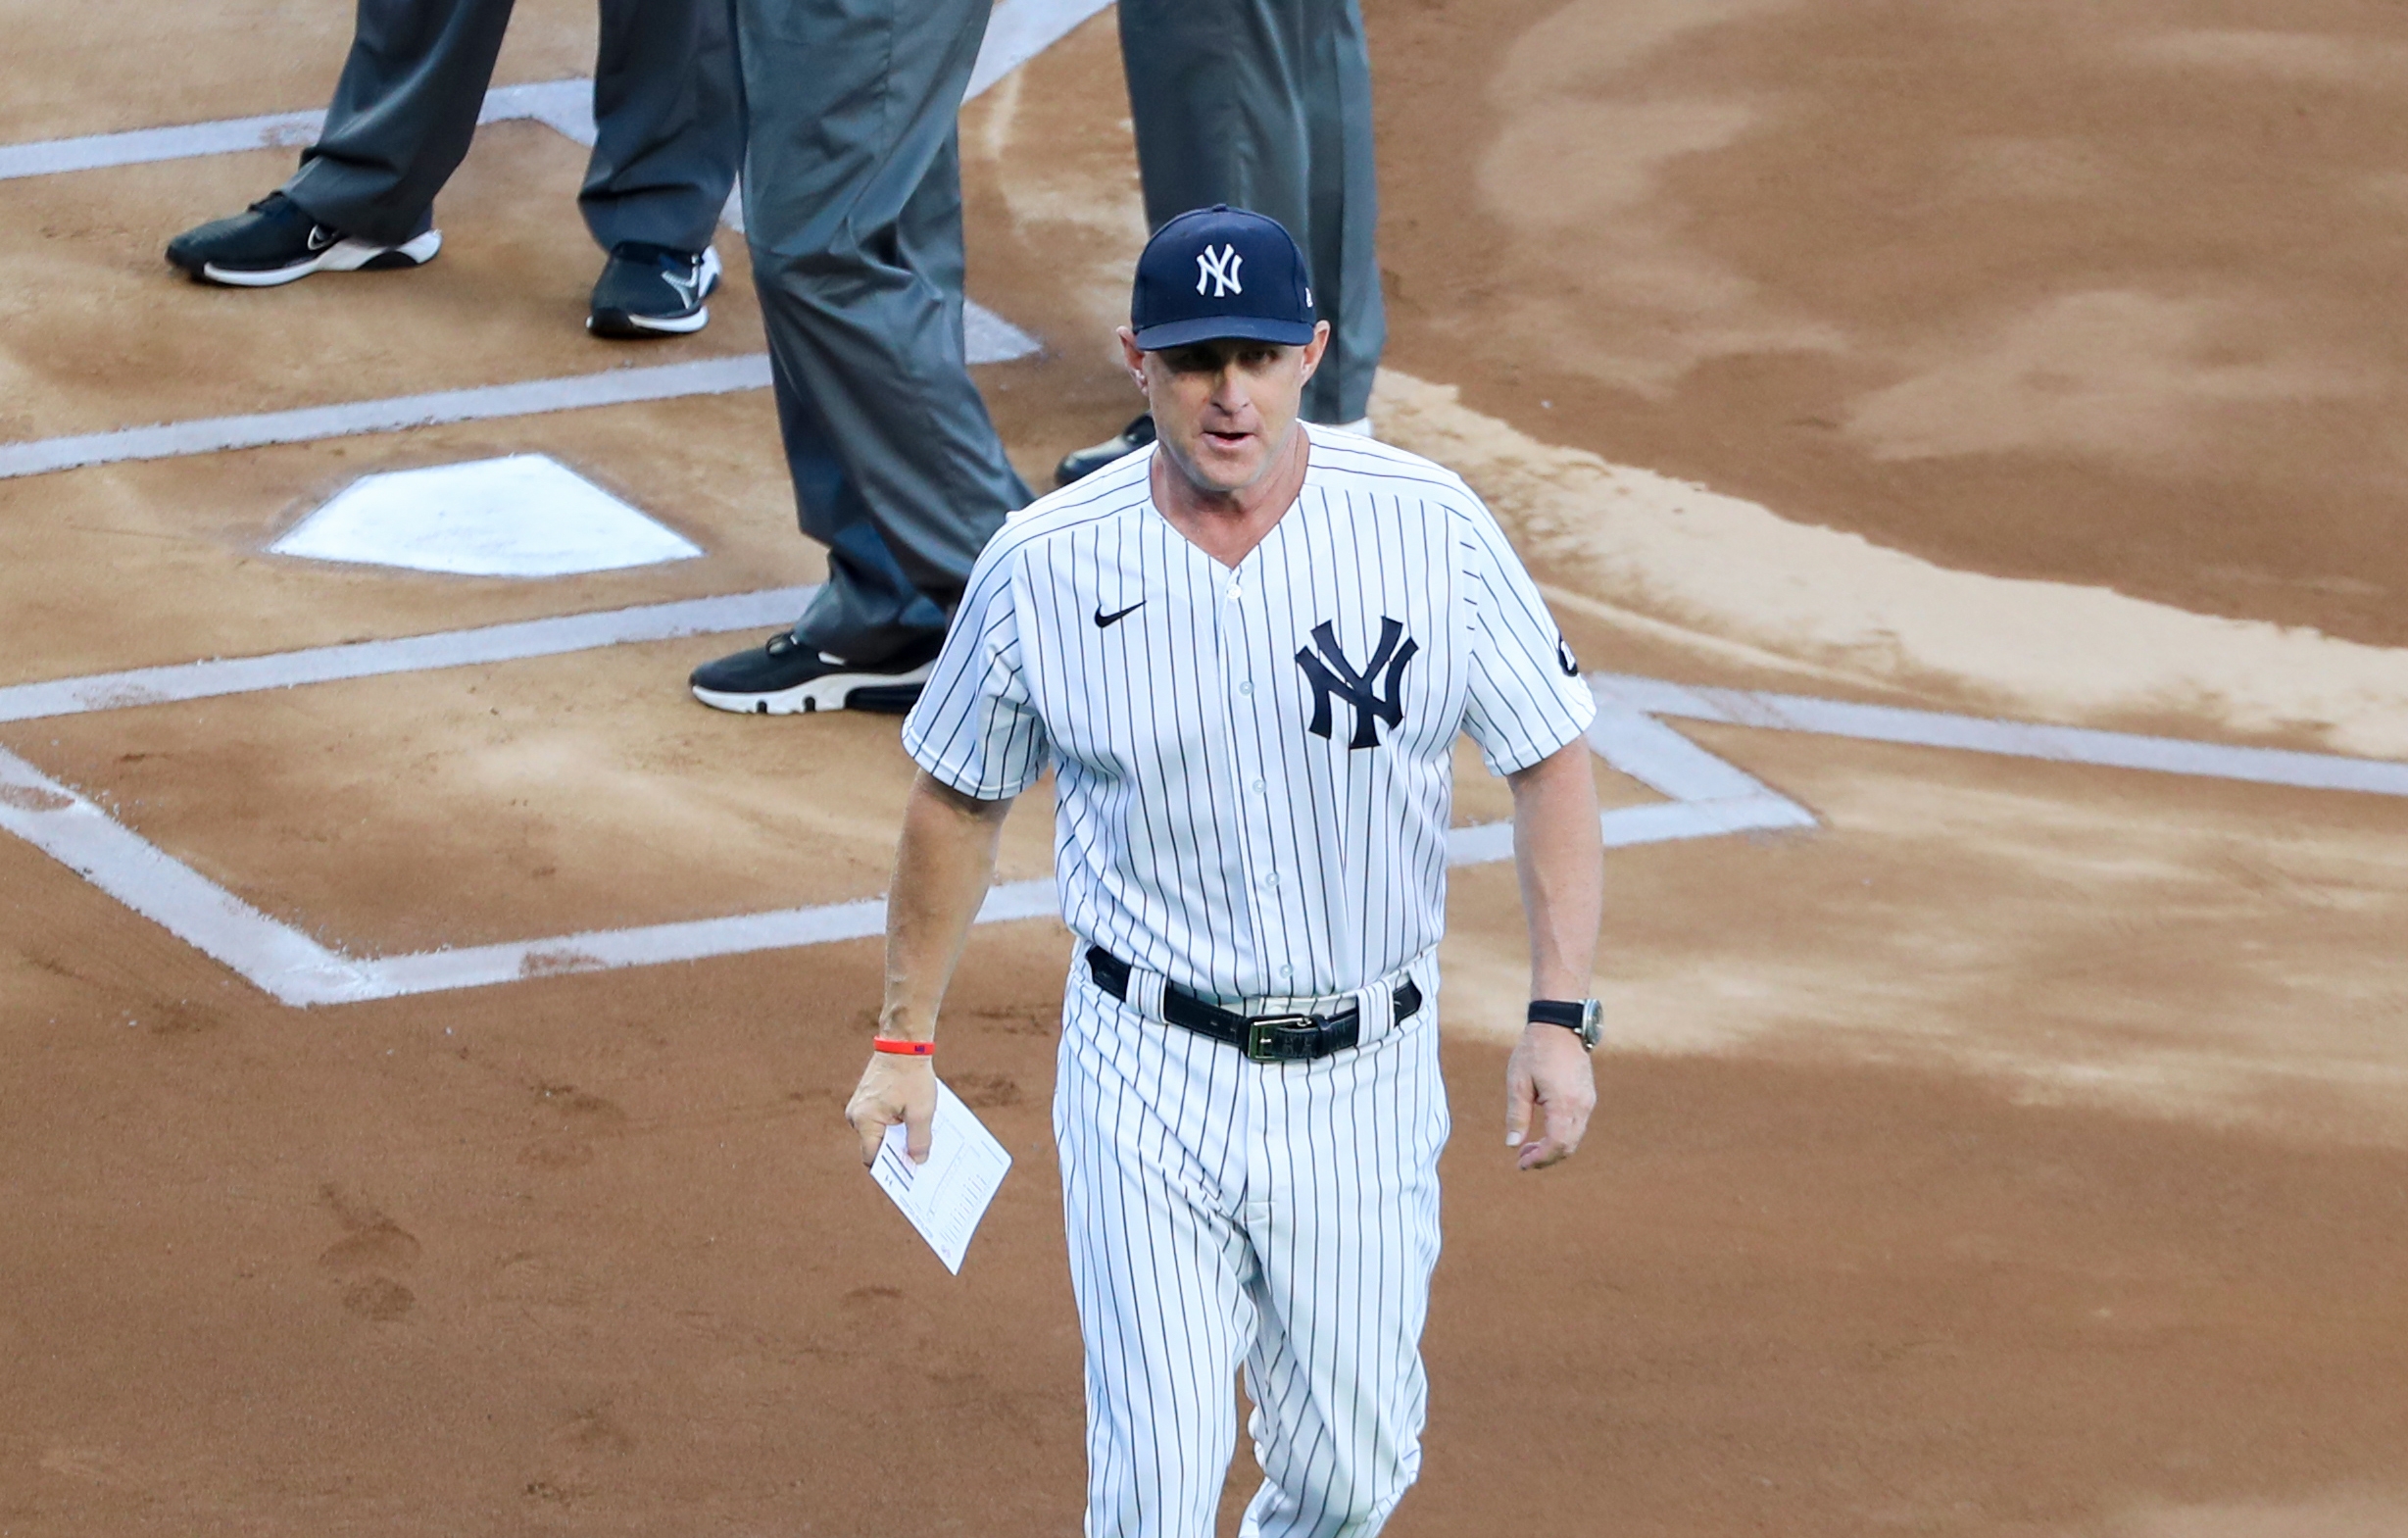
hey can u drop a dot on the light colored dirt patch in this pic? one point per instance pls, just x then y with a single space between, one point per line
1601 277
2119 374
1738 572
2343 1514
2085 936
2305 58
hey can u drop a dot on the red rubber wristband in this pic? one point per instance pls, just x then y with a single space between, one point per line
906 1048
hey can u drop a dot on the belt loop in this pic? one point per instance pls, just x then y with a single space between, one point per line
1145 992
1378 999
1375 1011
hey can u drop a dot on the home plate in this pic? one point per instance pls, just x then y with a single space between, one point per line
526 514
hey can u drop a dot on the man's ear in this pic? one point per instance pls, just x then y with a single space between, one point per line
1316 347
1132 355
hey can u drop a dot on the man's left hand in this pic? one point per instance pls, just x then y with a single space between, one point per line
1548 1075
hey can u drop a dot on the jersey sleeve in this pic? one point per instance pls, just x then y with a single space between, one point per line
1527 698
975 727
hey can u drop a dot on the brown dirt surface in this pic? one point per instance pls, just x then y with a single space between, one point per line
2021 1152
2100 293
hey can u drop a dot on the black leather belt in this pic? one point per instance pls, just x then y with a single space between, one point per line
1264 1038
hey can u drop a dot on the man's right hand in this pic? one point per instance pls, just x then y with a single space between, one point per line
894 1088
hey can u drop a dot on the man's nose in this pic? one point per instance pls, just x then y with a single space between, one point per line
1229 389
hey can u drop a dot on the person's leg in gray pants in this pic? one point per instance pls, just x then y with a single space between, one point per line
852 208
668 120
1266 105
666 109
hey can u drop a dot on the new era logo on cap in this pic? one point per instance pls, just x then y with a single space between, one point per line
1221 271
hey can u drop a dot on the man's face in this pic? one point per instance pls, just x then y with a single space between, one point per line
1224 409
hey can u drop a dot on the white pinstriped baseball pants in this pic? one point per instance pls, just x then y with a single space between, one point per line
1282 1215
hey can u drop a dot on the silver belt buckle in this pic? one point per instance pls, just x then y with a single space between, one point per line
1263 1034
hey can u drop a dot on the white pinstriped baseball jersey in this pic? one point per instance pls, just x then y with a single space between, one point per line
1254 764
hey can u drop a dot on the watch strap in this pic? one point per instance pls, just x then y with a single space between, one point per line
1570 1013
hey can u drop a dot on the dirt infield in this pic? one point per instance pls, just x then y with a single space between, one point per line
2021 1151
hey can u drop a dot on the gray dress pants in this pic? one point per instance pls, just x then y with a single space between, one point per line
852 208
1266 105
667 113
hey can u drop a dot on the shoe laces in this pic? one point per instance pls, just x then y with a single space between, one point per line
645 253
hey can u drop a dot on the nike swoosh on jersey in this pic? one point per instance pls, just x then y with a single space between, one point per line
1105 622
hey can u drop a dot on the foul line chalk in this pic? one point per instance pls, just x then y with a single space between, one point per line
1709 797
311 424
990 339
68 827
498 643
2007 738
566 106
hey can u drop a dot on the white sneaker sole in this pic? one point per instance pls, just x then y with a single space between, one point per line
344 256
677 325
833 691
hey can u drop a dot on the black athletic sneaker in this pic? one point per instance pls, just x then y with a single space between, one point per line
788 678
275 242
649 290
1086 462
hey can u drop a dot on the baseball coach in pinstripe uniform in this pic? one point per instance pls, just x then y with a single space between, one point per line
1246 651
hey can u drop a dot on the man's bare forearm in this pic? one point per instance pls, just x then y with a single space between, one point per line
1561 857
944 864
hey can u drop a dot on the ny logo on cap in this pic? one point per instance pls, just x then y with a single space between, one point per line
1220 269
1375 699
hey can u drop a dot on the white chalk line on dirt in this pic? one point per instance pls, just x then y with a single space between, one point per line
564 105
313 423
1707 796
990 339
70 828
2006 738
493 643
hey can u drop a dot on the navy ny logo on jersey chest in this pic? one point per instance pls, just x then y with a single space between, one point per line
1376 692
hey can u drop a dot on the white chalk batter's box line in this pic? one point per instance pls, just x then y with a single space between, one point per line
1019 30
1707 797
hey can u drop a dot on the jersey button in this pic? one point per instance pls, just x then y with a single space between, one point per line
1246 686
1258 787
1270 878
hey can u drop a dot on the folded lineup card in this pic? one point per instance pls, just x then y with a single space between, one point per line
945 1198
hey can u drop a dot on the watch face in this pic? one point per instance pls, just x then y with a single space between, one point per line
1592 1023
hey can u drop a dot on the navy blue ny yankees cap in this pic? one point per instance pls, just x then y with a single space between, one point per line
1221 271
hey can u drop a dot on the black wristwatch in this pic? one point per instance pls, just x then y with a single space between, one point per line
1577 1016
